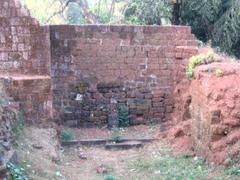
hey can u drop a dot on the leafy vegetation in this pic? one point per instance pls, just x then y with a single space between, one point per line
116 136
216 21
123 116
148 12
109 177
67 135
18 126
233 171
198 60
76 11
17 172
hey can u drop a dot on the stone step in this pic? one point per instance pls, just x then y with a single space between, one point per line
90 142
124 145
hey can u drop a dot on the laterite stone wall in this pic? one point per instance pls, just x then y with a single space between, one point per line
76 73
25 60
24 44
135 66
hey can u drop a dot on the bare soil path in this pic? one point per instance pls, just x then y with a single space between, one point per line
41 156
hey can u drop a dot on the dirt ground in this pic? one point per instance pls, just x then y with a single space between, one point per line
43 158
141 131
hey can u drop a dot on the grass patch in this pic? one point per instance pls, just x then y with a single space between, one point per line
171 168
233 171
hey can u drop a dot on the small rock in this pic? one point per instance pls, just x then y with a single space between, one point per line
101 169
195 158
56 159
3 171
82 155
6 145
227 162
157 172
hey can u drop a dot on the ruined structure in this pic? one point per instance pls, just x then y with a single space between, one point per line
134 65
25 60
88 66
72 74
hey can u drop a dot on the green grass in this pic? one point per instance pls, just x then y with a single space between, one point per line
165 166
172 168
233 171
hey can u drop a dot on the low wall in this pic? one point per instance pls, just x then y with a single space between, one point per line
132 65
34 95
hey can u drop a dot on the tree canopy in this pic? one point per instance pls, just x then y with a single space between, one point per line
217 21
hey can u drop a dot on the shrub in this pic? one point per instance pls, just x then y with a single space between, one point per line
115 136
16 172
219 73
233 171
123 116
67 135
198 60
18 125
110 177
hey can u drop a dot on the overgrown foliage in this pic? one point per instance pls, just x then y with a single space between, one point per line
115 135
67 135
233 171
18 125
148 11
16 172
198 60
123 116
109 177
216 21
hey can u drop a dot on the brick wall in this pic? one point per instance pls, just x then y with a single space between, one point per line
25 60
91 66
24 44
137 66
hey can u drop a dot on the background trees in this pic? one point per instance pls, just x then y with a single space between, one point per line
148 11
214 21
